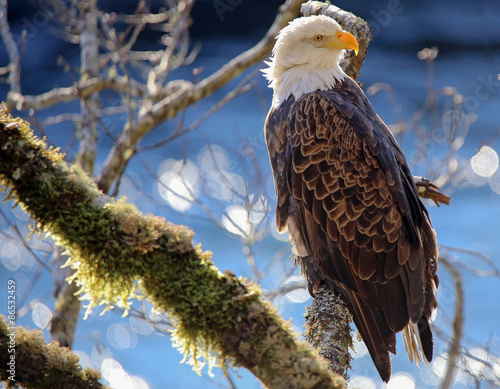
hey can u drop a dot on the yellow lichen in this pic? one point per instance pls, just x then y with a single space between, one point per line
119 255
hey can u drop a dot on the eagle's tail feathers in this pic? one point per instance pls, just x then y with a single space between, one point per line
417 338
378 337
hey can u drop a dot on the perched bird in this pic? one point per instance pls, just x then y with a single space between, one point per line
346 195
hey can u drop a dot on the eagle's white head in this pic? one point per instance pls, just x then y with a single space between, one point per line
306 57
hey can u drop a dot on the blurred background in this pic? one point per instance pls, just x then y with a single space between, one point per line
442 103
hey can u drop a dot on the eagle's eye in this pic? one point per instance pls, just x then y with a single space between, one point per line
318 38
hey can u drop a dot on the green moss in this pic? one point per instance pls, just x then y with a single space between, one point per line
113 246
40 365
119 254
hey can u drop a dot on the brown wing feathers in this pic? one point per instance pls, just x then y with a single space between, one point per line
347 197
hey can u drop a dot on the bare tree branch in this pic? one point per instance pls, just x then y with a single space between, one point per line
188 94
458 321
494 272
243 87
427 190
80 90
67 304
12 50
89 48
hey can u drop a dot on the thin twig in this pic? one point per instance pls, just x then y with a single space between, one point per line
495 272
12 50
239 90
23 241
458 321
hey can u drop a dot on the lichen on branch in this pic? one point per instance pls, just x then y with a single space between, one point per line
40 365
119 254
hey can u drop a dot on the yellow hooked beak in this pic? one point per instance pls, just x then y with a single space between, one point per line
343 40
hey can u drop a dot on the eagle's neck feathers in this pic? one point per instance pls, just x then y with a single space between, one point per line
298 80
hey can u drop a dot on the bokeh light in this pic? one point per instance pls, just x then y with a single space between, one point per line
299 295
98 354
85 360
220 182
427 376
178 183
439 365
361 382
495 181
259 210
213 157
400 381
139 383
236 220
11 255
474 366
41 315
121 337
140 326
227 186
239 220
496 370
113 372
485 162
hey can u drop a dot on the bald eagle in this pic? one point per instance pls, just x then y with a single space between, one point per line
346 195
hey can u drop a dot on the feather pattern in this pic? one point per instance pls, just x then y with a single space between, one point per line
348 200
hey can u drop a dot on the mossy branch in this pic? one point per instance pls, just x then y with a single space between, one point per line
119 254
328 330
40 365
